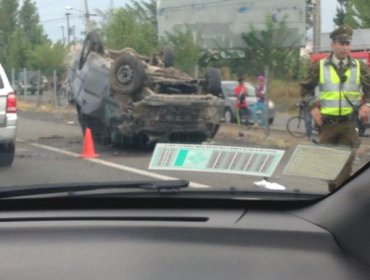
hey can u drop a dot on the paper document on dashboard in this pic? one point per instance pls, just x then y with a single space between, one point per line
320 162
215 158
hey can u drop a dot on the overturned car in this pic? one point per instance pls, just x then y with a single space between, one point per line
121 95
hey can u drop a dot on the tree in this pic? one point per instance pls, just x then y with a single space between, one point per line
355 13
29 22
273 46
18 45
146 11
8 23
186 49
359 10
341 15
309 14
47 57
125 29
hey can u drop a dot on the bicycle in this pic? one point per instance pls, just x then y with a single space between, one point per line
297 125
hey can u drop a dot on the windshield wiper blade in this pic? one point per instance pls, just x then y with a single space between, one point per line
72 188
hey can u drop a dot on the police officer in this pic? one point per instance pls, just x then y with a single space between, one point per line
344 86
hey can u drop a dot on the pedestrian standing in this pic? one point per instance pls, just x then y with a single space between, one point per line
240 92
259 107
341 80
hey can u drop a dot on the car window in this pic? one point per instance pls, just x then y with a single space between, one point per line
228 90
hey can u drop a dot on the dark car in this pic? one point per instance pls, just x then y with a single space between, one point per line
27 82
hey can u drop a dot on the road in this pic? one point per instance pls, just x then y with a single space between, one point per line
49 152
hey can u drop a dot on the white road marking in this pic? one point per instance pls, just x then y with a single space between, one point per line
116 165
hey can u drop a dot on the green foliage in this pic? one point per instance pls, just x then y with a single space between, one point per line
359 10
271 47
145 11
18 45
47 57
125 29
186 49
309 14
355 13
8 15
29 21
23 42
340 17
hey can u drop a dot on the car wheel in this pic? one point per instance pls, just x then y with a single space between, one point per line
7 152
93 42
228 116
33 80
127 74
213 82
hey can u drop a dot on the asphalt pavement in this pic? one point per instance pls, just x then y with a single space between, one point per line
50 141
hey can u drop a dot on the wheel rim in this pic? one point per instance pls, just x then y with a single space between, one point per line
124 74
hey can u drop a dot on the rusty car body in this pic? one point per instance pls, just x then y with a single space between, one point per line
122 95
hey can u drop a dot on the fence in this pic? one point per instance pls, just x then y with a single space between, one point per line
32 86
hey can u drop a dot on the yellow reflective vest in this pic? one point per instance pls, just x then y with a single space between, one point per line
333 94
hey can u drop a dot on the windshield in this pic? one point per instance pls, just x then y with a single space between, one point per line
226 95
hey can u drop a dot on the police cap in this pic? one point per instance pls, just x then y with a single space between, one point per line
342 34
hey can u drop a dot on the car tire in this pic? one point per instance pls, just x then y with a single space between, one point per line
33 80
228 116
168 57
7 153
93 42
127 74
213 82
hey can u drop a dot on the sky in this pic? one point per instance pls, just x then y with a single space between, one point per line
54 20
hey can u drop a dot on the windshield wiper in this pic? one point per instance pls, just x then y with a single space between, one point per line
72 188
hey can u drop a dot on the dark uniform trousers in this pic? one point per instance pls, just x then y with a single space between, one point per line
336 131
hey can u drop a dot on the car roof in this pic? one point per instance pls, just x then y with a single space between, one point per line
231 82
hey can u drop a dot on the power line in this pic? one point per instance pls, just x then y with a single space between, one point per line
214 3
58 19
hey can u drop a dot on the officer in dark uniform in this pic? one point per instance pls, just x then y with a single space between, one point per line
344 91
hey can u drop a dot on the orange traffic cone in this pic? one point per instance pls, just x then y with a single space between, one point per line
88 149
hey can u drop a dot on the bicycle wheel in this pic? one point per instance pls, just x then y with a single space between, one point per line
296 127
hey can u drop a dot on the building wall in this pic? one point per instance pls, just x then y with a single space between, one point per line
222 22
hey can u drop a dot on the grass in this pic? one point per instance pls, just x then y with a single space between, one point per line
285 95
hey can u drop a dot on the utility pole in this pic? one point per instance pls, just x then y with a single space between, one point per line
87 17
316 26
68 29
74 34
63 38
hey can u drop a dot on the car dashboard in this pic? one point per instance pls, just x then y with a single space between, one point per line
161 242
